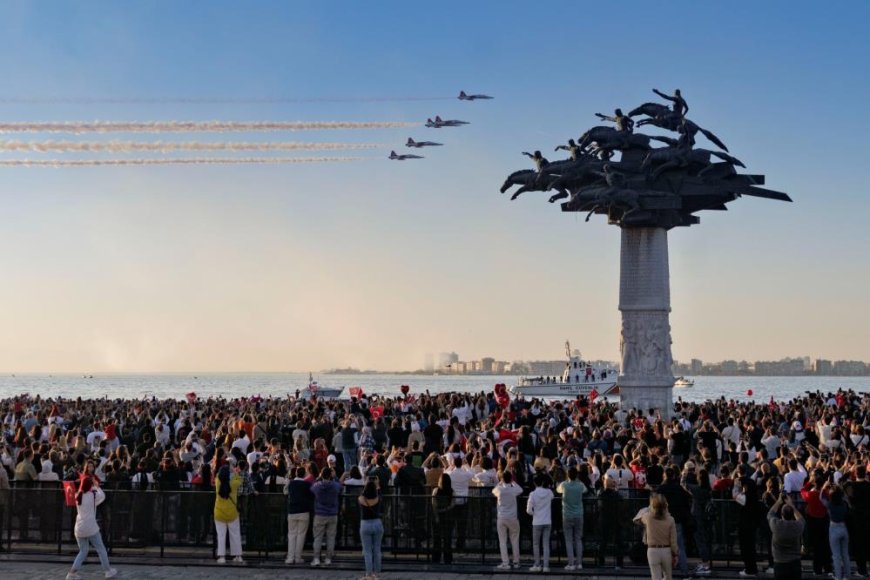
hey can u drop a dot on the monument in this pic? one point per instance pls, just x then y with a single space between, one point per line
646 191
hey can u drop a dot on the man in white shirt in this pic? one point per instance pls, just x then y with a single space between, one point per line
793 482
460 479
538 506
507 523
94 437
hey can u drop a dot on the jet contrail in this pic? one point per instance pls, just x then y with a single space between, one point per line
203 100
192 126
176 161
169 146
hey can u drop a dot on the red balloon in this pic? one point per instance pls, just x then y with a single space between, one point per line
749 393
405 389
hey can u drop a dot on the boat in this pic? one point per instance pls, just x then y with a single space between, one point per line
683 383
315 390
578 378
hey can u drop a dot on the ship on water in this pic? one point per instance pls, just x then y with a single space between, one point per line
578 378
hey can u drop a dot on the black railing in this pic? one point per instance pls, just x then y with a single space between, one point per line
180 524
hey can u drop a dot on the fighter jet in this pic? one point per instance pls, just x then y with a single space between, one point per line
439 122
395 157
464 97
418 144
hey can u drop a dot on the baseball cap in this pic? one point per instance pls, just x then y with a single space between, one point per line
330 458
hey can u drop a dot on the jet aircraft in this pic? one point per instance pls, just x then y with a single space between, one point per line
439 122
418 144
464 97
395 157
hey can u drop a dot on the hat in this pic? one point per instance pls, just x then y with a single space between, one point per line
797 426
330 458
689 465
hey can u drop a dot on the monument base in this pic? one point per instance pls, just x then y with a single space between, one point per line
646 380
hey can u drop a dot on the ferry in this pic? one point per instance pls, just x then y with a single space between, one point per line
683 383
314 390
578 378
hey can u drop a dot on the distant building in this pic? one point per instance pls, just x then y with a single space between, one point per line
786 367
823 367
500 367
730 367
849 368
546 368
486 365
446 360
697 366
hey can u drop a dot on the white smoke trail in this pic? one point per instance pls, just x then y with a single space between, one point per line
176 161
169 146
204 100
191 126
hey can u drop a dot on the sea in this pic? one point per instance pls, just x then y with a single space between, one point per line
232 385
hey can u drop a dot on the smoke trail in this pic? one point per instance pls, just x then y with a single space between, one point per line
176 161
169 146
192 126
204 100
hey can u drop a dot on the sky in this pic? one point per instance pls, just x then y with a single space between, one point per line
374 263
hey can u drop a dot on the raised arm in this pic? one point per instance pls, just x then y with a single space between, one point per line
664 96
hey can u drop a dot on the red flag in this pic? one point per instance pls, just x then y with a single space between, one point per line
377 412
772 405
355 392
191 397
69 493
593 395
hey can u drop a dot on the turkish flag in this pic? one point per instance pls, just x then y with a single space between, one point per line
593 395
377 412
69 493
356 392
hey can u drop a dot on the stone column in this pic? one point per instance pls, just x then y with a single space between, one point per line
646 380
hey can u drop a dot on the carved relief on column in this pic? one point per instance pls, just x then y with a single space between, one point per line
645 344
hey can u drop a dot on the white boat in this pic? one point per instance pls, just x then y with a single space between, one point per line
683 383
314 390
578 378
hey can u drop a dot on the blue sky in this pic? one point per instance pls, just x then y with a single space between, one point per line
375 263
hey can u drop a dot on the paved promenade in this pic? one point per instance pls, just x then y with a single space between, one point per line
52 568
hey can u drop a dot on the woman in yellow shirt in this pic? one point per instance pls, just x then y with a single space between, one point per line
226 514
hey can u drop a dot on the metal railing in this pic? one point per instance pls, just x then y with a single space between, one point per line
180 524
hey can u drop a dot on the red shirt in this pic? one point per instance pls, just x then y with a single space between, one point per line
815 507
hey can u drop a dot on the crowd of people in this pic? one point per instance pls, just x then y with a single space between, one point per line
786 465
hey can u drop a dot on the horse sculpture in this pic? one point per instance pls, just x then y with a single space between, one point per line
609 139
675 157
662 116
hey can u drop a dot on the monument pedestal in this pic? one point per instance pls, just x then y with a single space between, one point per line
646 380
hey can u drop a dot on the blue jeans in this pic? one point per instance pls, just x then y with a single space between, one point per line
84 546
838 536
351 458
371 533
682 562
541 535
573 530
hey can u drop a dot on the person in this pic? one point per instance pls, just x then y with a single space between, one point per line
680 107
326 503
624 123
507 522
226 515
838 534
460 479
787 531
858 493
660 536
572 491
538 506
86 530
540 164
746 496
443 503
572 148
371 527
300 502
5 492
703 515
817 522
680 504
611 523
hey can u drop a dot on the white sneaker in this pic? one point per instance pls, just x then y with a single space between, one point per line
289 561
315 563
745 574
535 569
503 566
73 576
111 573
769 571
578 566
327 561
570 568
545 570
238 560
222 560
